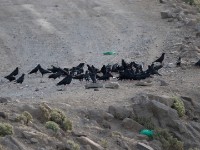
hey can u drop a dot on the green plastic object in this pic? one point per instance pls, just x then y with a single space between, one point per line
109 53
147 132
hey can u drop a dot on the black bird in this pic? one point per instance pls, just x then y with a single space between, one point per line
80 77
87 76
43 71
10 78
178 63
105 76
35 70
66 80
14 73
55 75
197 63
93 77
20 79
54 69
160 60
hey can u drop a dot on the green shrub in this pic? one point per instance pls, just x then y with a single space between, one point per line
52 125
57 116
73 145
26 117
67 125
104 143
6 129
179 106
167 140
146 122
45 112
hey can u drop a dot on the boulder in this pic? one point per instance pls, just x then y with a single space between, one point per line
112 85
94 85
99 115
120 112
3 115
86 141
128 123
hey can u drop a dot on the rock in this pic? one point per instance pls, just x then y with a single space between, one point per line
198 34
3 115
86 147
94 85
122 144
34 140
12 143
156 145
142 146
128 123
197 27
34 111
99 115
145 98
143 83
86 141
112 85
96 89
142 137
163 83
5 99
106 124
120 112
166 14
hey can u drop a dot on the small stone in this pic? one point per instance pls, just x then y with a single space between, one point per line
163 83
165 14
94 85
4 99
36 89
96 89
3 115
143 83
112 85
34 140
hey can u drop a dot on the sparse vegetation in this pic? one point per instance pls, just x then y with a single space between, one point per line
26 117
66 125
45 112
146 122
52 125
168 141
6 129
179 106
104 143
116 134
73 145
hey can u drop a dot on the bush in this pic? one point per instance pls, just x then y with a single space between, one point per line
6 129
179 106
57 116
45 112
52 125
67 125
146 122
73 145
26 117
167 140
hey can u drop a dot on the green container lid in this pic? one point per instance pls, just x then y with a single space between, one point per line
147 132
109 53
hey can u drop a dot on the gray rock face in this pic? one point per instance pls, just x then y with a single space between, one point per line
120 112
131 124
162 115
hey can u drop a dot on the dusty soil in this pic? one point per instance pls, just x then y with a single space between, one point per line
67 32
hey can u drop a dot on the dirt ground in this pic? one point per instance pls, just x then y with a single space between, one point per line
66 32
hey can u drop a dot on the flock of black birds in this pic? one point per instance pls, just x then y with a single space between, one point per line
126 71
